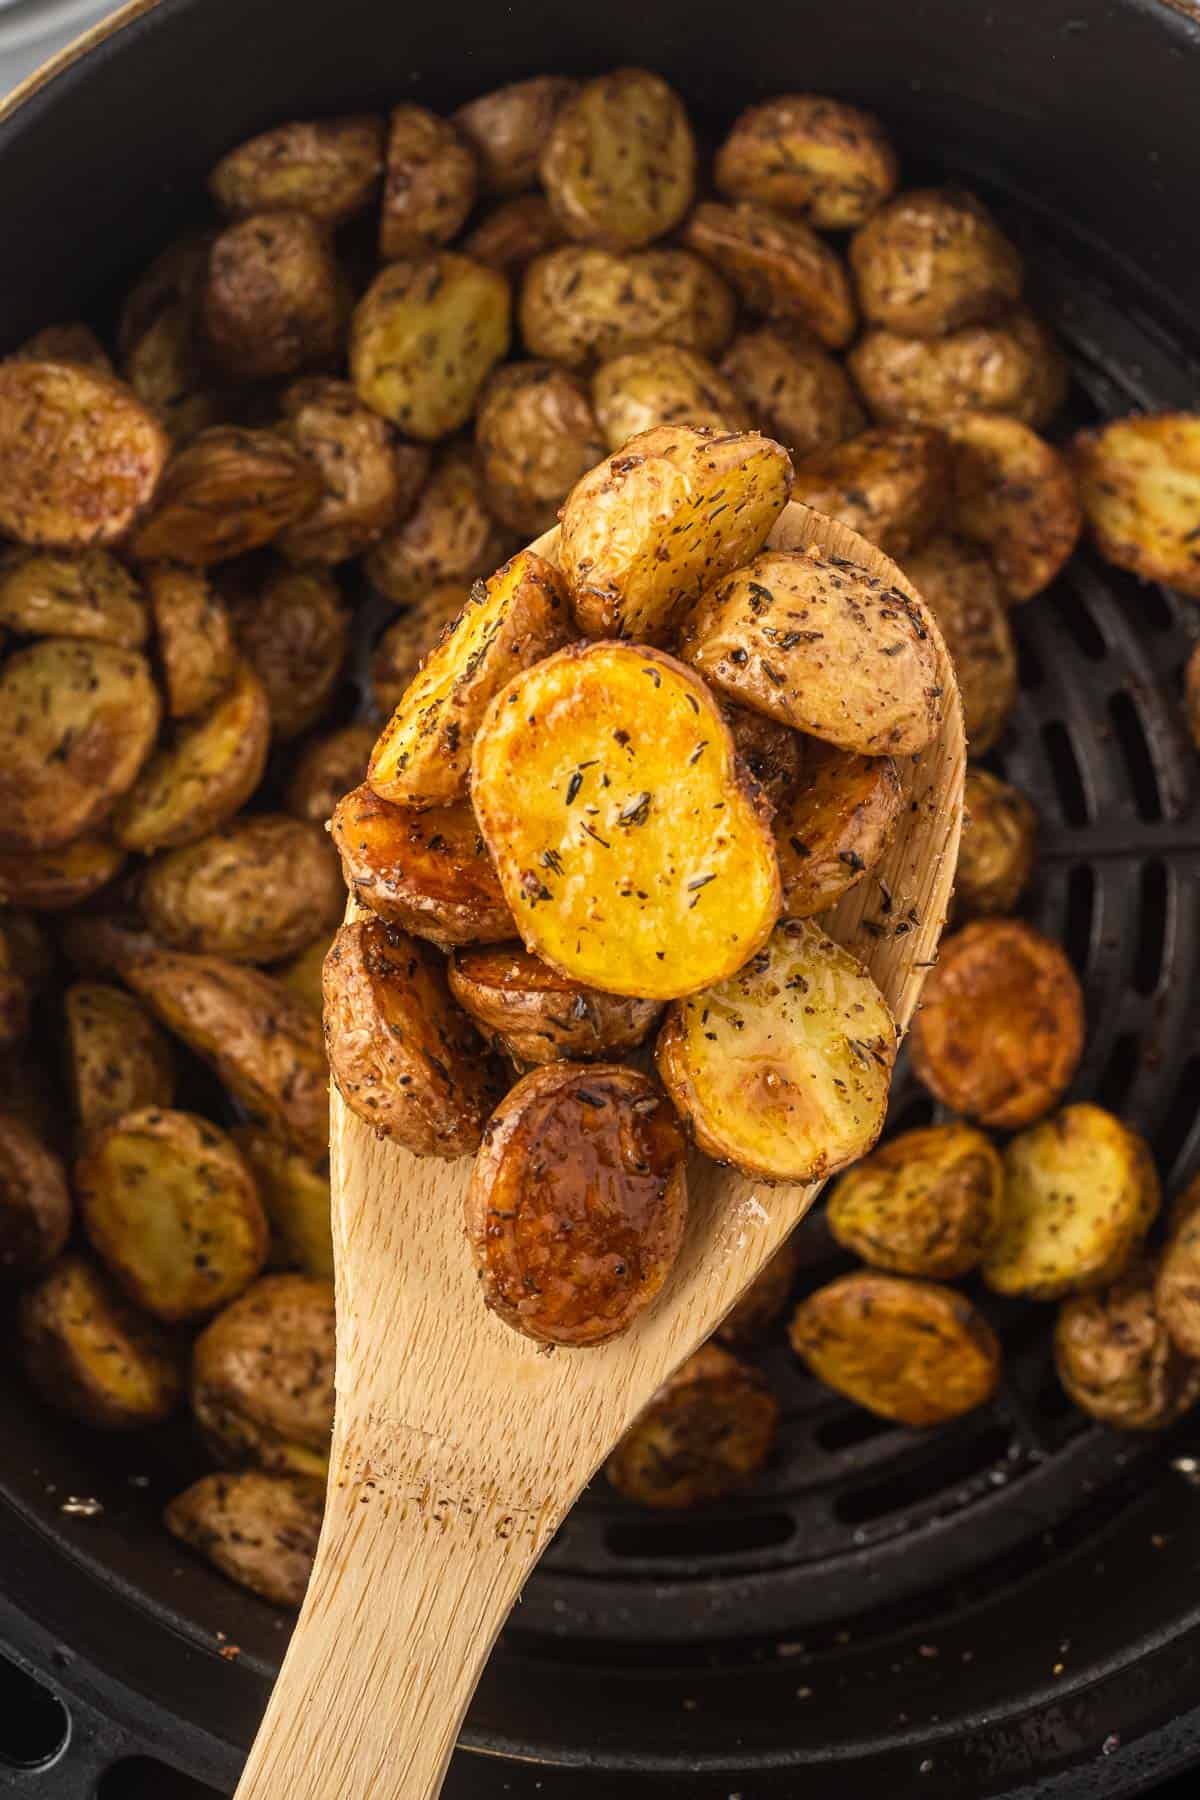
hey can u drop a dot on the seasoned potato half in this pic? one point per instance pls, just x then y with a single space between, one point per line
508 129
999 1032
706 1432
403 646
764 1300
1116 1359
1013 366
663 384
835 826
931 261
35 1202
925 1203
634 854
1080 1194
999 841
577 1202
510 235
804 153
449 540
369 482
580 305
793 390
424 751
327 168
1177 1292
540 1016
818 643
55 593
619 163
779 266
890 485
270 303
536 434
1139 481
53 880
1015 495
77 721
325 770
295 1197
963 592
907 1350
195 637
259 1530
225 492
654 525
772 752
427 871
262 1376
429 185
89 1353
295 636
117 1059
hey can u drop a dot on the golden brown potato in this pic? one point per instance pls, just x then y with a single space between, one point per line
634 852
295 1197
106 941
262 1376
195 637
327 168
449 540
259 1530
369 481
999 841
427 871
962 590
783 1068
89 1353
890 485
793 390
403 1056
804 153
1080 1193
540 1016
1015 495
174 278
577 1202
425 336
907 1350
508 129
1013 366
619 163
429 186
77 721
1116 1359
301 974
999 1032
69 343
1177 1291
86 595
270 303
763 1301
226 492
835 827
580 305
662 385
170 1207
821 645
772 752
778 265
326 769
423 753
925 1203
933 260
166 368
403 646
52 880
647 530
295 637
118 1061
80 456
1139 482
203 776
35 1202
509 236
536 435
709 1428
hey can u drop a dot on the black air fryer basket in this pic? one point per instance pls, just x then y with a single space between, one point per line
1014 1600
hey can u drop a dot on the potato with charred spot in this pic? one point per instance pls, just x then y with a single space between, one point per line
580 305
262 1376
295 636
118 1061
779 267
831 163
270 301
1013 367
764 1300
1015 495
540 1016
426 871
931 261
327 168
429 185
370 480
963 592
195 637
835 826
296 1199
1139 483
890 485
92 1355
536 435
707 1431
999 842
259 1530
35 1201
225 492
619 163
405 644
326 770
87 594
663 384
794 391
925 1203
54 880
508 129
1116 1359
772 752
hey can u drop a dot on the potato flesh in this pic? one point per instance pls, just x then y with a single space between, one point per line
118 1061
778 265
93 1355
925 1203
428 872
1139 482
195 638
1016 495
86 595
835 827
619 163
539 1016
704 1434
295 1197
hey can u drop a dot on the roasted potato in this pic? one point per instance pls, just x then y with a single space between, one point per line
424 338
227 491
772 752
763 1301
35 1202
259 1530
71 343
509 236
107 940
327 168
203 776
1015 495
963 592
803 153
835 826
325 770
77 721
663 384
1080 1193
995 857
89 1353
195 637
88 594
52 880
270 301
540 1016
907 1350
262 1376
634 853
890 485
302 975
1139 482
117 1059
427 871
370 480
709 1428
931 261
403 646
619 162
508 129
779 266
174 278
429 185
80 456
423 753
999 1032
1116 1359
793 390
166 367
450 538
295 636
577 1202
403 1056
296 1199
818 643
925 1203
580 305
652 526
536 435
1013 367
1177 1290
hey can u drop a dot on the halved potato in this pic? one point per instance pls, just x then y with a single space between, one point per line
763 1301
540 1016
118 1061
427 871
793 390
296 1199
577 1202
890 485
327 168
91 1354
88 595
634 854
508 129
1013 366
429 184
262 1376
778 265
580 305
536 436
706 1432
370 481
1139 482
510 235
260 1530
195 637
270 302
325 770
227 491
403 646
449 538
52 880
173 279
663 384
619 163
927 1202
907 1350
1014 494
165 366
1177 1291
295 636
1080 1193
963 592
835 827
673 511
71 343
424 751
933 260
1116 1359
805 153
35 1201
999 841
772 752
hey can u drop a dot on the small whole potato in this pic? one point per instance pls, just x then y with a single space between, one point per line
35 1202
662 385
370 480
794 391
536 435
449 539
195 637
619 163
999 841
407 642
1177 1291
225 492
429 185
1015 495
925 1203
891 485
427 870
118 1061
326 769
166 366
54 880
706 1432
510 235
270 302
581 305
779 266
540 1016
962 590
327 168
295 1196
1116 1359
262 1376
1139 483
772 752
1013 367
834 827
804 153
508 129
92 1355
931 261
85 594
295 636
259 1530
763 1301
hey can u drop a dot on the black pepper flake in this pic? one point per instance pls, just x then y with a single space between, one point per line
852 860
593 833
573 787
698 752
799 846
587 1098
553 861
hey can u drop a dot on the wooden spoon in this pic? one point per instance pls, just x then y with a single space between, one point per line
459 1445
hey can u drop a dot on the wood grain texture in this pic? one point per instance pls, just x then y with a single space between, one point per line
458 1444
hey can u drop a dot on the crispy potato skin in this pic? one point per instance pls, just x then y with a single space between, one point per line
619 163
295 636
86 594
225 492
1080 1193
999 842
803 153
779 266
404 645
262 1376
326 770
259 1530
295 1197
540 1016
430 184
607 788
426 871
1177 1290
1116 1359
404 1057
89 1353
963 592
577 1202
35 1202
327 168
449 539
536 435
508 128
763 1301
648 529
368 484
772 752
581 305
663 384
907 1350
118 1061
508 237
835 827
709 1429
931 261
1013 367
1139 482
1015 495
270 300
890 485
794 391
195 637
53 880
820 645
925 1203
1000 1029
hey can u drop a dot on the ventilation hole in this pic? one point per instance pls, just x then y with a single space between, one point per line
141 1778
1181 1117
846 1430
34 1726
1131 736
1116 1078
1030 673
1147 967
1081 906
1079 626
943 1471
722 1535
1065 770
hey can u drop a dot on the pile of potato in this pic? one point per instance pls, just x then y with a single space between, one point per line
400 346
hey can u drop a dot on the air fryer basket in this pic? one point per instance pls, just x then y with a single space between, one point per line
1014 1598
